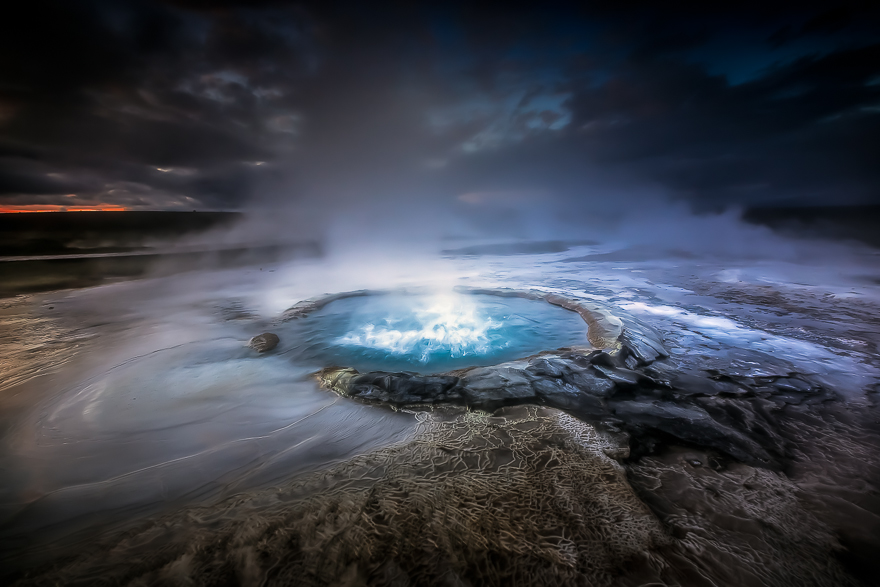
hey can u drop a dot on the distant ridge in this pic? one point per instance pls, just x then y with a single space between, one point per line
60 233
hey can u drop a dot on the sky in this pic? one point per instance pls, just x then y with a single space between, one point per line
327 107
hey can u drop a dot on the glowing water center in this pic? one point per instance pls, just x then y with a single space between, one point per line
432 333
449 326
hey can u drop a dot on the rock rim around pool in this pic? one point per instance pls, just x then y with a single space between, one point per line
604 328
264 342
625 381
652 406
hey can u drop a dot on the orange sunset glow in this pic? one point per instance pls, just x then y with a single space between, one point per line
47 208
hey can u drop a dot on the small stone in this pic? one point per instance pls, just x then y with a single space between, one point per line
695 463
264 342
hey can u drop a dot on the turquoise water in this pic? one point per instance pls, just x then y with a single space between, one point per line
429 333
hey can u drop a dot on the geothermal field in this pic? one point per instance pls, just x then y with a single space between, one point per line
337 293
558 417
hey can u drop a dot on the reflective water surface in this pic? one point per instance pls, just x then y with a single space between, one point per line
429 333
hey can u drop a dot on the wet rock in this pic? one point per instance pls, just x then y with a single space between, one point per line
573 372
404 388
492 385
630 362
643 345
792 398
264 342
691 385
685 384
393 388
564 396
622 376
792 384
748 363
590 381
706 408
603 358
548 367
691 424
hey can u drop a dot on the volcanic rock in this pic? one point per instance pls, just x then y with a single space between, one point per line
264 342
622 376
590 381
643 343
568 397
393 388
496 385
693 410
547 367
691 424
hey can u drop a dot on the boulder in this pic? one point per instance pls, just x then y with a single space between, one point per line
564 396
487 386
644 346
548 367
402 388
590 381
264 342
691 424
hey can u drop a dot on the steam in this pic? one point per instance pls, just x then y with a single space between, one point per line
443 324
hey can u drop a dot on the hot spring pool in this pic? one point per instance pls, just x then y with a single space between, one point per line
428 333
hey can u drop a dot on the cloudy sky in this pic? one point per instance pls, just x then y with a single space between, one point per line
230 105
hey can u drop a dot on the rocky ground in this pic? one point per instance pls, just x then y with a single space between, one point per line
719 428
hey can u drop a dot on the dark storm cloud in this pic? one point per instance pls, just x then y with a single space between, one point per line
144 100
194 104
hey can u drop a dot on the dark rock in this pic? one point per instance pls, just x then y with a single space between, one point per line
693 385
603 358
645 347
691 424
563 396
748 363
618 452
547 367
687 384
622 376
590 381
792 384
494 385
264 342
751 417
656 405
821 395
403 388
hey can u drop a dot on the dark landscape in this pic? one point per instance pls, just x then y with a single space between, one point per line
389 294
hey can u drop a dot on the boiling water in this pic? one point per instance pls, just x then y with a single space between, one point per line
429 333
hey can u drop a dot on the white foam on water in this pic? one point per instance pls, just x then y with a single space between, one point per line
450 325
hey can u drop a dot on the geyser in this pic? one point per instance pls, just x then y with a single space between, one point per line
429 332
